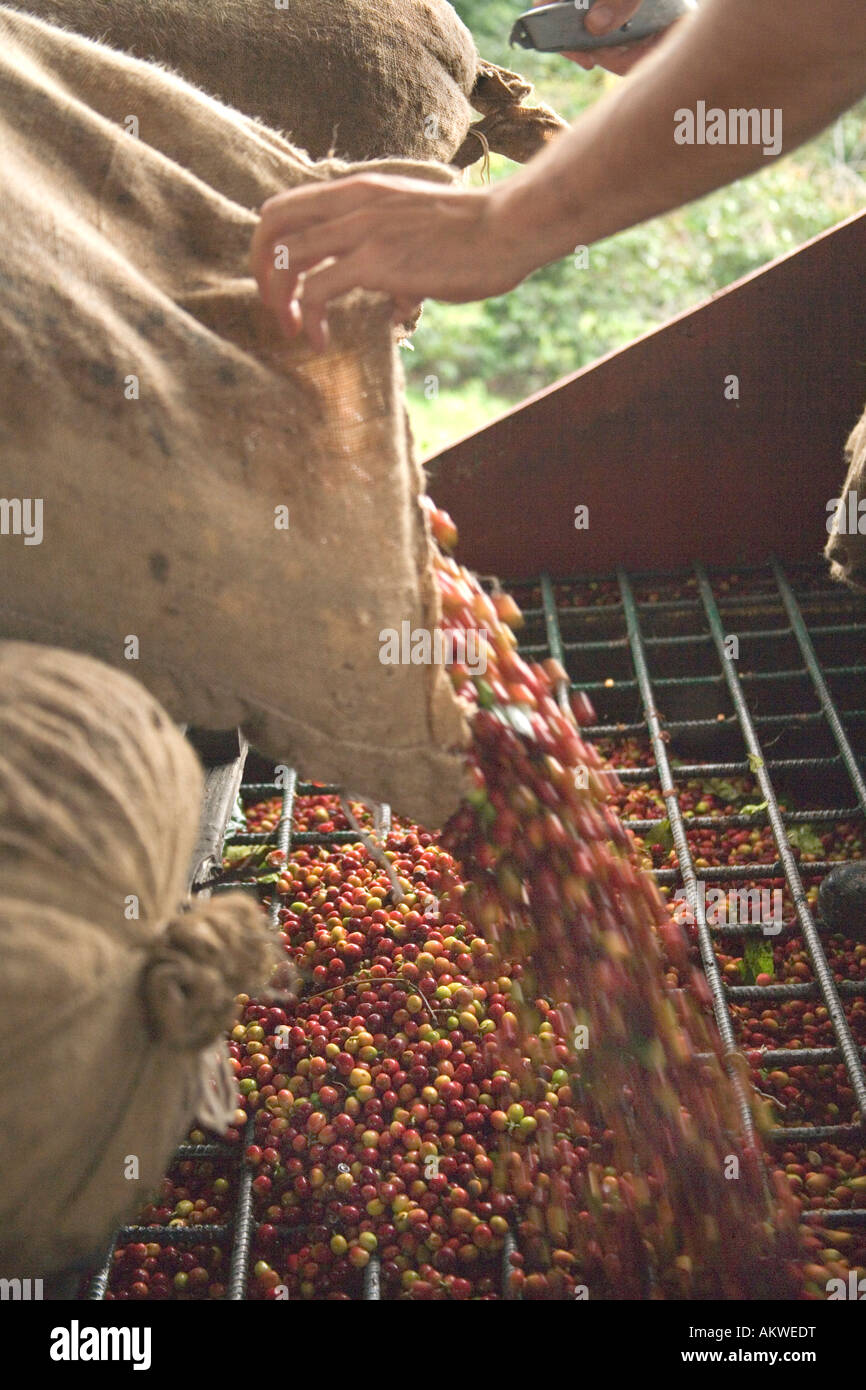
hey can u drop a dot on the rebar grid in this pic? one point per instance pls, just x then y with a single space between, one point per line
627 612
635 644
724 1020
824 976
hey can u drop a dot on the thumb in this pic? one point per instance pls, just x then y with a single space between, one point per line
607 15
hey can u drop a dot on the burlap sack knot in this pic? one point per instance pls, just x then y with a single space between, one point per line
204 959
508 126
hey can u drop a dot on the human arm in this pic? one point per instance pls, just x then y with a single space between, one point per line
618 165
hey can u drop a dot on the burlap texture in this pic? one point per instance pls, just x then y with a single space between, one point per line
153 407
359 79
846 548
109 992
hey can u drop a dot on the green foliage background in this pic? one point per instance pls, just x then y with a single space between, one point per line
489 356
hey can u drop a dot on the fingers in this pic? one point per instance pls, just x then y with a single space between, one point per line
300 211
583 60
405 310
622 60
312 244
604 17
288 312
299 216
293 253
310 311
406 238
607 15
312 229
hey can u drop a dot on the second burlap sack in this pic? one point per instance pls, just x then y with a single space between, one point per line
225 516
360 79
111 994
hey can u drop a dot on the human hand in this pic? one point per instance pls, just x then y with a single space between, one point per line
604 17
406 238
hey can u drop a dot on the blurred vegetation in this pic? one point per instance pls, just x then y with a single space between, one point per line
489 356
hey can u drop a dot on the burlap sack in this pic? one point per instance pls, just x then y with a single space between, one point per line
846 548
169 433
360 79
111 998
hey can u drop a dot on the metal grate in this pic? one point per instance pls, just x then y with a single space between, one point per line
727 715
630 629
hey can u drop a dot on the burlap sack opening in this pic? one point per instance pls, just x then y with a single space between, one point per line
358 79
168 432
846 548
123 996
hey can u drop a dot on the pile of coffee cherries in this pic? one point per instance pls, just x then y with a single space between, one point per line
503 1080
556 883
